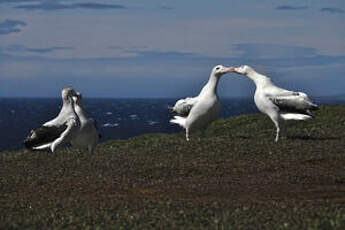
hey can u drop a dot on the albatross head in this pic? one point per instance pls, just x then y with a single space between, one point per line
67 93
243 70
78 99
220 70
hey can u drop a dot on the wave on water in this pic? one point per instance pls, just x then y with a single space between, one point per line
152 122
110 125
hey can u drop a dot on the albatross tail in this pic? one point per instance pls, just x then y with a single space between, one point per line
181 121
295 116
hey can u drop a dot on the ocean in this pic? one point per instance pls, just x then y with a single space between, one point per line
116 118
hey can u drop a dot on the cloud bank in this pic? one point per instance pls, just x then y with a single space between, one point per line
285 7
63 6
11 26
332 10
266 50
24 49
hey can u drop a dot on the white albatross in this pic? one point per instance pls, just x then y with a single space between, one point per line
198 112
87 136
57 131
277 103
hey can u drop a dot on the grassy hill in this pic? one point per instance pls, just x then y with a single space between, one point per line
235 177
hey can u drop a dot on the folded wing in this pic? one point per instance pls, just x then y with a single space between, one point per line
295 102
45 137
183 106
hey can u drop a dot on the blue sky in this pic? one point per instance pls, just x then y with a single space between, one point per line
167 48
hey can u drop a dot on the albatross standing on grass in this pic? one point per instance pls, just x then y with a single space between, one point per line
57 131
277 103
198 112
87 136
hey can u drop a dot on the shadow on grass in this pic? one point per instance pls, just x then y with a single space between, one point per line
305 137
243 137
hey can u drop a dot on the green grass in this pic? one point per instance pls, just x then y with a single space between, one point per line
235 177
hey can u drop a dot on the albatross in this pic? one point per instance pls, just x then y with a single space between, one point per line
277 103
87 135
58 130
196 113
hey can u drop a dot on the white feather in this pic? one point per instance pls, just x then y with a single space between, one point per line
181 121
295 116
200 111
277 102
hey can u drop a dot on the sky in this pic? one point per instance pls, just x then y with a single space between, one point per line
167 48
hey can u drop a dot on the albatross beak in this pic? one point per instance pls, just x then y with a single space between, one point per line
236 70
229 69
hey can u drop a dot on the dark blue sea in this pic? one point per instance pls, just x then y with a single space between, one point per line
117 118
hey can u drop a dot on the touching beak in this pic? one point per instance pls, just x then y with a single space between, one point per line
235 70
229 69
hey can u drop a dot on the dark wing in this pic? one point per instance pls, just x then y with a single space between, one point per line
183 106
43 135
297 102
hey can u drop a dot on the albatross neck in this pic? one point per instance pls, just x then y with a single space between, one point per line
67 106
80 112
211 85
258 79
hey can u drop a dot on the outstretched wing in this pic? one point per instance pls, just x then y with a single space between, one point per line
295 102
183 106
